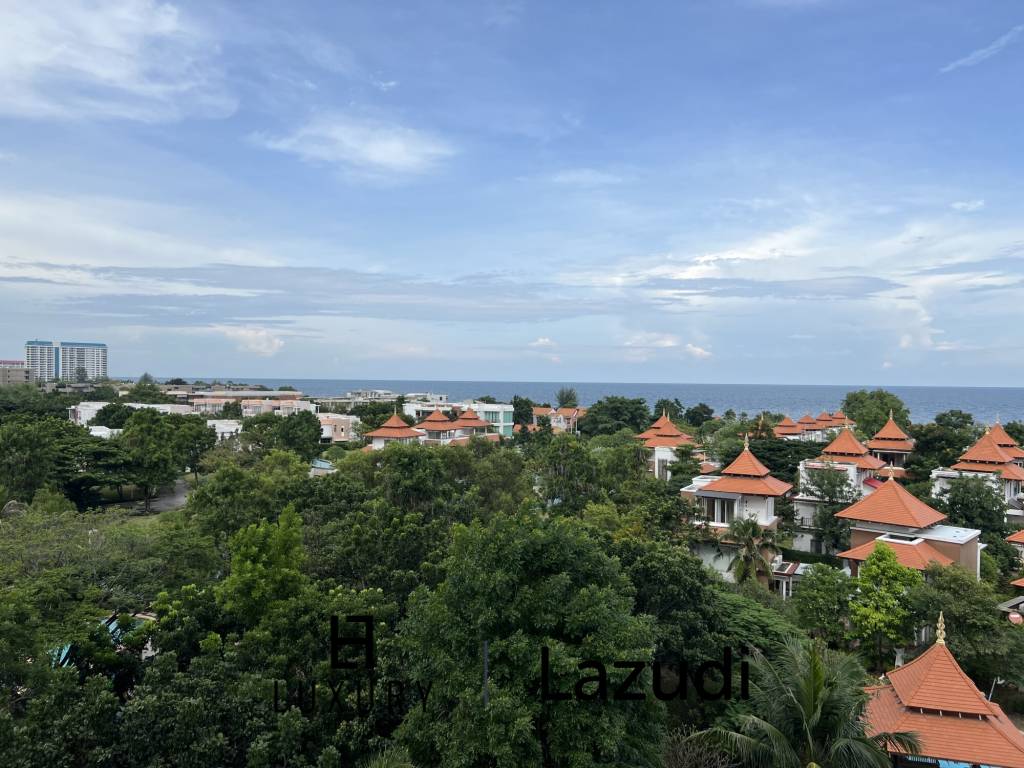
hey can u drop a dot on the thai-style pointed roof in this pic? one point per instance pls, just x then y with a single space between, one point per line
786 427
891 438
394 429
747 475
436 421
1004 441
847 449
839 416
892 504
807 420
664 433
1017 537
469 420
987 456
932 697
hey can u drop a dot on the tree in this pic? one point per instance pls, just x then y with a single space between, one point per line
754 548
983 642
148 442
231 410
806 708
567 398
522 410
939 444
972 502
671 408
834 492
782 457
568 474
822 603
299 432
870 409
523 583
266 567
192 440
699 414
612 413
1015 429
146 390
879 611
112 415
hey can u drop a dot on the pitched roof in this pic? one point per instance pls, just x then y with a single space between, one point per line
935 681
664 433
892 504
752 486
786 427
394 429
1004 441
468 419
917 554
1017 537
807 420
667 441
1017 583
845 444
1009 470
746 464
891 431
986 451
436 422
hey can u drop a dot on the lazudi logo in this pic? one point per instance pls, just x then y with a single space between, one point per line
594 686
304 695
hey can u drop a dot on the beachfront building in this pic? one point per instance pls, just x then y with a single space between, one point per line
225 428
437 428
83 413
892 445
955 723
807 427
277 406
394 430
845 454
338 427
912 529
997 458
744 489
663 438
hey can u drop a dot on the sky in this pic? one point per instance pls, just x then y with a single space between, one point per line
745 191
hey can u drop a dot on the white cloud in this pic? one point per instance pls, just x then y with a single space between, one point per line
967 206
653 340
363 145
542 342
129 59
990 50
699 352
887 364
258 341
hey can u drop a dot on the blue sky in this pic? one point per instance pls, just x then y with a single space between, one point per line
795 191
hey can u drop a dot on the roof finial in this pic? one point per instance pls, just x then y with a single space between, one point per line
746 440
940 630
891 471
890 414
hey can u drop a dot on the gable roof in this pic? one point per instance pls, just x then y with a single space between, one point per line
746 474
1017 537
436 421
916 554
468 419
1004 441
892 504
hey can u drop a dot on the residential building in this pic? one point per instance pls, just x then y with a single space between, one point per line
956 724
468 425
437 428
14 372
82 361
277 406
562 419
42 359
86 411
394 430
663 438
225 428
892 445
363 397
807 427
498 415
845 454
744 489
1017 540
998 459
210 406
912 529
338 427
321 468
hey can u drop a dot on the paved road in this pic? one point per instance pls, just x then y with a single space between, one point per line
171 498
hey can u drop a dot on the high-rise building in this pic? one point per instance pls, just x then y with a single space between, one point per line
41 358
66 360
82 361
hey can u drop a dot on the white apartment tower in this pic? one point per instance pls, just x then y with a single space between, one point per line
66 360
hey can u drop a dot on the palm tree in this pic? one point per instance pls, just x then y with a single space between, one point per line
755 549
807 711
391 757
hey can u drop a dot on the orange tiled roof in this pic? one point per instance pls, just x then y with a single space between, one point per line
667 441
1004 441
1017 583
491 437
987 451
845 444
891 431
840 416
542 410
897 446
468 419
1009 470
807 420
436 422
1017 537
746 464
916 556
892 504
394 428
753 486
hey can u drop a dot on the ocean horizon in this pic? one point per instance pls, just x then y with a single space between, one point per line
986 404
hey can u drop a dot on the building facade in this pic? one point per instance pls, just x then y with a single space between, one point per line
66 360
14 372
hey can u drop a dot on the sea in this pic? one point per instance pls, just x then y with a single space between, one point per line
986 404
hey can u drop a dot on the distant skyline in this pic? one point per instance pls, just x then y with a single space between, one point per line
746 191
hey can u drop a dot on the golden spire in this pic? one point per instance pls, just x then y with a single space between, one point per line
746 440
940 630
890 414
891 472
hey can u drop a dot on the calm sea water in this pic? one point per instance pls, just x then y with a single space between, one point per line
986 403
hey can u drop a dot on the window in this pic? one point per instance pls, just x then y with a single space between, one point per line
719 510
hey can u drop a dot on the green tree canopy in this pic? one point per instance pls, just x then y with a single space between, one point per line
880 610
870 409
610 414
566 397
